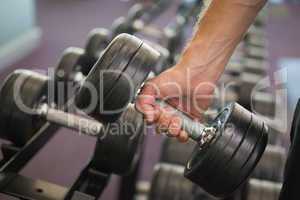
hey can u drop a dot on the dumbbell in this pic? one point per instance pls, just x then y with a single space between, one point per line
224 156
33 91
260 189
271 165
255 40
255 52
264 103
128 24
76 62
175 152
118 142
168 182
243 85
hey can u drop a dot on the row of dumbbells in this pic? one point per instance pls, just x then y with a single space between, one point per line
247 67
128 56
115 152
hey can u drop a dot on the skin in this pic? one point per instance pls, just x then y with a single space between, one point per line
189 85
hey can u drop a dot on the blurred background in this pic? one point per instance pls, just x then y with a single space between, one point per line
34 34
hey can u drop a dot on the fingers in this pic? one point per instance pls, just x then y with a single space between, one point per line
183 137
171 124
145 103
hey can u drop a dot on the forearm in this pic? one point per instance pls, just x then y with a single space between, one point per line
217 35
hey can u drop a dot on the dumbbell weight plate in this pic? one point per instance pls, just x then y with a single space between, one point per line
98 39
175 152
215 159
136 73
66 67
246 156
135 12
256 52
261 190
16 125
118 151
219 153
119 86
168 183
271 165
64 75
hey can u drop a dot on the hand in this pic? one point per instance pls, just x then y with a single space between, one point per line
186 89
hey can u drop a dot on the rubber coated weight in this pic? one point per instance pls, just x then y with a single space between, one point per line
219 154
264 104
127 85
16 125
271 165
215 159
245 158
135 12
126 24
168 183
97 41
66 67
118 151
256 52
175 152
261 190
126 64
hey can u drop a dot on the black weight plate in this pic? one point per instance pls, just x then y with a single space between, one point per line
255 156
209 151
224 149
271 165
117 152
120 91
65 73
125 88
33 87
6 103
66 67
239 166
135 12
175 152
159 182
114 59
201 167
202 156
168 183
97 41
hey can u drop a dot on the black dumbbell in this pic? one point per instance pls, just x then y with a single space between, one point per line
117 144
175 152
168 182
263 103
271 165
227 150
243 85
82 60
255 52
33 94
261 189
127 24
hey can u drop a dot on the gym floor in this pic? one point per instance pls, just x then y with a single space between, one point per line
66 23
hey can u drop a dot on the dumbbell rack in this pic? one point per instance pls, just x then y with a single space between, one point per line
88 186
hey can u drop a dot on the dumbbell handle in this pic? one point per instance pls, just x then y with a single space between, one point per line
84 125
195 130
